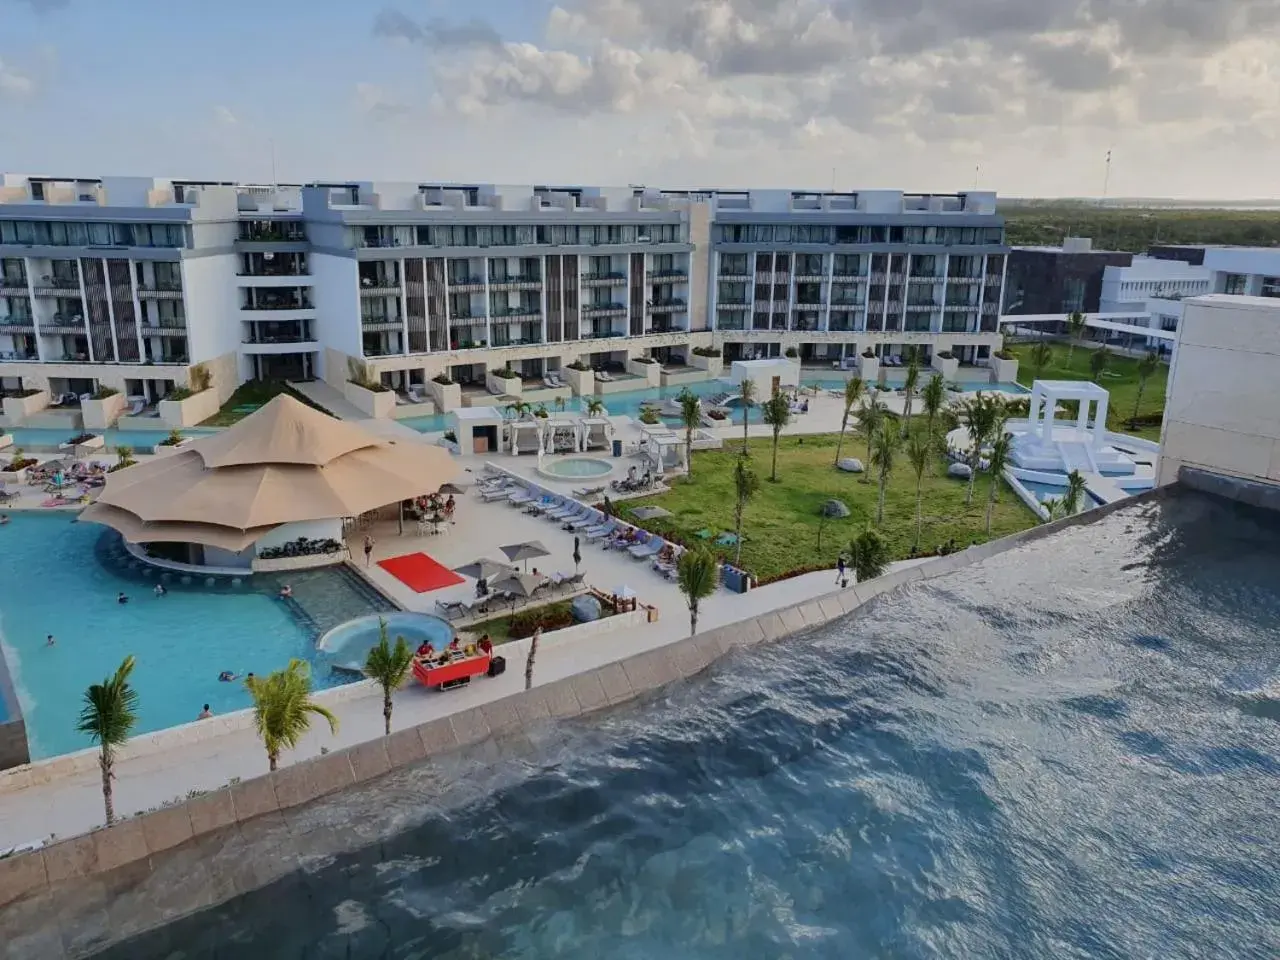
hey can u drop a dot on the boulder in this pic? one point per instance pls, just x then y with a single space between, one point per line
961 471
850 465
586 608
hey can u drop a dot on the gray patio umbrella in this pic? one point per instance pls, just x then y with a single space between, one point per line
519 585
484 568
651 513
834 509
531 550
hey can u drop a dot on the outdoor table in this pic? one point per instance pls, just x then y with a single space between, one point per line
456 672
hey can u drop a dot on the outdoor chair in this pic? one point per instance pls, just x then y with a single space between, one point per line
599 532
587 522
646 550
520 497
565 512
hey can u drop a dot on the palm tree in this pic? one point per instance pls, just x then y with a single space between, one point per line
1041 356
868 555
595 407
980 415
389 666
1074 498
777 414
909 387
125 453
1075 328
1147 366
746 398
883 450
745 486
109 715
519 409
920 452
933 397
1054 507
559 404
1098 362
997 460
853 388
282 708
697 575
870 418
690 419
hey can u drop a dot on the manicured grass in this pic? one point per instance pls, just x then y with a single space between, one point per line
1120 378
499 628
254 393
782 521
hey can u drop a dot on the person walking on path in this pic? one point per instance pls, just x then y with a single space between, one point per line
840 570
368 549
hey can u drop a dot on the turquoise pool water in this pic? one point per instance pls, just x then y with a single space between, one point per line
577 468
1049 491
142 441
348 645
437 423
896 382
62 578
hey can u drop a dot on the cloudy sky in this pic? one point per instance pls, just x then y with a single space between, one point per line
1022 96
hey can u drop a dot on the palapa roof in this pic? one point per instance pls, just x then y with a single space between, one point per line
285 463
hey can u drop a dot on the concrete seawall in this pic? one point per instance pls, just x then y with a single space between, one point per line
125 854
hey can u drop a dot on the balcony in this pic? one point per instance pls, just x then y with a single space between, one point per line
760 322
731 323
274 233
530 312
602 332
839 277
57 287
810 277
918 305
674 305
809 306
732 304
842 303
468 319
805 326
897 277
160 291
383 287
17 324
924 278
24 356
527 282
381 352
879 277
466 285
603 279
13 287
63 324
667 276
269 303
965 278
604 309
842 326
381 324
738 276
275 339
957 325
166 328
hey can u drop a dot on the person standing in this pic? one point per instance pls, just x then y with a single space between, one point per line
840 570
368 549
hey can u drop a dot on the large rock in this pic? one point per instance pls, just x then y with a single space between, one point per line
586 608
850 465
961 471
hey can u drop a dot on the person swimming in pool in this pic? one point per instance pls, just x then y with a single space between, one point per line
226 676
121 598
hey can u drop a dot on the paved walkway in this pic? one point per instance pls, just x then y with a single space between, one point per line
330 398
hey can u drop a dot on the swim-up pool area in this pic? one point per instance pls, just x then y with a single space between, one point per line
63 577
141 441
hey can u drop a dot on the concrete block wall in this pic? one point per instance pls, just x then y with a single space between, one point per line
27 877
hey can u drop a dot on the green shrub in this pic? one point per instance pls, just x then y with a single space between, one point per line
548 618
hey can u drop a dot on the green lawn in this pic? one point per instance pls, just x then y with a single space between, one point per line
1120 378
782 521
249 397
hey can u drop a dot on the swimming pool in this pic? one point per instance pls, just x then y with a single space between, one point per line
576 468
142 441
1070 750
896 383
62 578
348 645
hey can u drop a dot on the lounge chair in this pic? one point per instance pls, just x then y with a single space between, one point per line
587 492
520 497
566 511
501 493
649 549
542 505
136 406
593 519
600 531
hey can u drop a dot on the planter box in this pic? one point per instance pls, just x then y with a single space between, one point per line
93 443
652 372
15 477
447 396
378 405
504 386
18 409
713 365
176 414
1003 371
868 369
101 414
583 382
683 375
164 450
947 368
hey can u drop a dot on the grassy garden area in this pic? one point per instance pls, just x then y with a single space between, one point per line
248 398
551 616
1120 378
782 521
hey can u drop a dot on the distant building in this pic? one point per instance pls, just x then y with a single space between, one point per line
1244 271
1152 290
1064 279
1193 255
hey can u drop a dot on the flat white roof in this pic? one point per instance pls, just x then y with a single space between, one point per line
477 413
1071 389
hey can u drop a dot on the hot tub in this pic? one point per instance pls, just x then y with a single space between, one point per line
576 468
346 646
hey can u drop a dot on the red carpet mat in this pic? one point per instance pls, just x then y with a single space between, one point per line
419 572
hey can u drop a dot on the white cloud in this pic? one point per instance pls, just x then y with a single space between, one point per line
225 116
14 84
374 101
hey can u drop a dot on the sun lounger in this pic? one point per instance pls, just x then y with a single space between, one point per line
520 497
645 550
593 519
502 493
599 531
586 492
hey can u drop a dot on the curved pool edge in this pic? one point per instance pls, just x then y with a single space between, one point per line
544 469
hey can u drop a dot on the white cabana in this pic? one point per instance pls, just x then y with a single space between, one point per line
561 436
526 436
478 429
661 450
768 375
594 432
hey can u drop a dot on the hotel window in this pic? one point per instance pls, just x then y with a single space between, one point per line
1235 284
1271 286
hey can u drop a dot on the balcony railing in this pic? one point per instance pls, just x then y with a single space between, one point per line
279 338
13 286
604 309
732 304
667 276
675 304
381 323
23 355
735 276
384 289
806 277
302 270
278 305
463 284
281 234
809 305
731 323
603 279
56 287
513 313
515 282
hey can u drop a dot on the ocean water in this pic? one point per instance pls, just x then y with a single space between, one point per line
1068 751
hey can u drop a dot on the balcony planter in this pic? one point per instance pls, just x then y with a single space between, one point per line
17 409
583 382
652 372
447 396
96 442
376 404
713 365
176 414
1003 371
101 414
947 366
502 385
868 368
164 449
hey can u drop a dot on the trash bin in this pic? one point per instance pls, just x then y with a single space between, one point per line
617 448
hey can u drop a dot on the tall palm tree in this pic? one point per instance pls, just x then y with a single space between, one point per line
997 460
1073 500
920 452
559 404
1098 362
933 398
690 419
870 418
1041 356
777 414
1075 329
109 715
282 708
883 451
853 388
696 573
595 407
909 387
1147 366
980 415
868 555
746 399
745 486
1054 508
388 666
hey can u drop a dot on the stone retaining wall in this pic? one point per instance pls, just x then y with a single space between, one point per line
134 842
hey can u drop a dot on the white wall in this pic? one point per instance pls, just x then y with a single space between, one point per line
336 292
211 301
1223 407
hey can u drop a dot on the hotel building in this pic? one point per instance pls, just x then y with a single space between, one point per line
128 283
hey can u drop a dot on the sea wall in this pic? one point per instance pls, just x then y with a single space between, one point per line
125 855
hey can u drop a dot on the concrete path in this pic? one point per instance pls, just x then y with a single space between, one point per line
330 399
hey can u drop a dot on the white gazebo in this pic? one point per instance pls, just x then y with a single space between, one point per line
561 436
1042 443
1045 395
662 450
595 432
526 436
